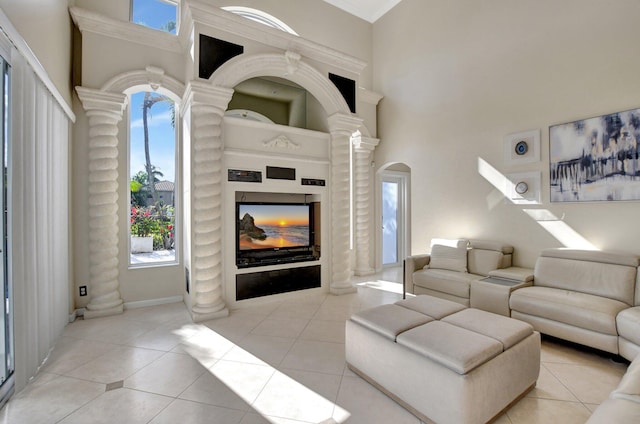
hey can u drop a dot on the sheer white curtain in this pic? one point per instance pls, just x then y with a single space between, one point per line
39 218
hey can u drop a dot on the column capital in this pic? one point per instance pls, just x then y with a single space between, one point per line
202 93
368 144
370 97
98 100
341 123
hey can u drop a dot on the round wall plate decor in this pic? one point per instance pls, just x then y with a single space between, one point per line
522 187
521 148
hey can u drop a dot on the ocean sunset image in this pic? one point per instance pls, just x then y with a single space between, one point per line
272 226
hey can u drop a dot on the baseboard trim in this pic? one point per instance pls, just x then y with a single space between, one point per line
75 314
134 305
153 302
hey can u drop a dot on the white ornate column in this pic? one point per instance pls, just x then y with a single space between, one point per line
363 152
206 104
104 111
341 128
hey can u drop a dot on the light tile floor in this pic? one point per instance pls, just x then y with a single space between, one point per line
277 362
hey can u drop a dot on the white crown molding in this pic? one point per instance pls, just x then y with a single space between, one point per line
210 15
369 97
99 24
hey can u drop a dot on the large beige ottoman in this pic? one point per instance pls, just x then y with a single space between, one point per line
443 362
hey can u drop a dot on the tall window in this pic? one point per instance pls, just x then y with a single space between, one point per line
152 171
156 14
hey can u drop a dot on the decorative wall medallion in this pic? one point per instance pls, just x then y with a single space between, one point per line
281 142
523 188
523 147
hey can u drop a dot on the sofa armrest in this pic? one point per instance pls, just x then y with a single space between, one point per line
411 265
416 262
524 275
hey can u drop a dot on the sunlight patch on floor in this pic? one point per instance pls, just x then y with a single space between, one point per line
388 286
268 391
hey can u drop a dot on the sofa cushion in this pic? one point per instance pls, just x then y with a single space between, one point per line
628 322
449 254
390 320
505 330
456 348
433 306
629 387
445 281
480 261
613 280
570 307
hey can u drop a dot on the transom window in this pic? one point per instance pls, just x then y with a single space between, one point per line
157 14
261 17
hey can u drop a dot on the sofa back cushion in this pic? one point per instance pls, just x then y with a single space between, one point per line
485 256
597 273
449 254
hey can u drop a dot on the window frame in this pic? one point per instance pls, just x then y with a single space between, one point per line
177 198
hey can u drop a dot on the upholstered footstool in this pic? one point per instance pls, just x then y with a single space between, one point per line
443 362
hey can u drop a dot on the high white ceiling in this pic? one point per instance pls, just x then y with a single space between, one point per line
369 10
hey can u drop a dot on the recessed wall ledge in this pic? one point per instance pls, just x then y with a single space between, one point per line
99 24
215 17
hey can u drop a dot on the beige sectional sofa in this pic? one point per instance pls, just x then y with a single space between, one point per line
587 297
447 272
623 405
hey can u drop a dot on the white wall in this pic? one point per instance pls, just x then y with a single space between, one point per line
46 27
459 76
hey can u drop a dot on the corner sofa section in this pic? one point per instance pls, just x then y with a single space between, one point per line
623 404
447 272
587 297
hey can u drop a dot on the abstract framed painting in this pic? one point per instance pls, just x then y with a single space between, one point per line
596 159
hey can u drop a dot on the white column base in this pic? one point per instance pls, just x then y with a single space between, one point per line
343 290
364 272
200 317
99 313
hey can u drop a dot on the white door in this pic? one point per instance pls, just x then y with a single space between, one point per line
393 222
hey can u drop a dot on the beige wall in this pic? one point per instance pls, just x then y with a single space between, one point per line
46 27
459 76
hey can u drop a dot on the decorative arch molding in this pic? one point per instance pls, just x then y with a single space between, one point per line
152 77
105 107
204 106
289 66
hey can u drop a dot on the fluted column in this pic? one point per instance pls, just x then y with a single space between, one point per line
104 111
341 128
363 152
206 104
